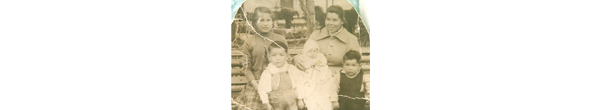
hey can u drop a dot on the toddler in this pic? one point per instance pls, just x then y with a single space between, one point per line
276 87
353 83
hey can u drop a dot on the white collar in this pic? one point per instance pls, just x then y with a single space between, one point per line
336 33
273 69
349 75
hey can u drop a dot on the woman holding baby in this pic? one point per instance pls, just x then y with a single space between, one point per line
330 42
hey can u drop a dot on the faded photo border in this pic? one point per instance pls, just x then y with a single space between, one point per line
296 22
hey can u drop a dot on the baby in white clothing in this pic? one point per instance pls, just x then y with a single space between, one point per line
315 92
313 59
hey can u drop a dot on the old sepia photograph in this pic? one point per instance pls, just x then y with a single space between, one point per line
299 55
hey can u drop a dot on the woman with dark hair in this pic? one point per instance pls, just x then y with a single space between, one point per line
334 41
255 50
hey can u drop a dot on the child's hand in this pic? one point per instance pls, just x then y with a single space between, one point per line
335 104
300 103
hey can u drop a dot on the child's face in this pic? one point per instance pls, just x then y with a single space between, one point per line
277 56
351 66
265 23
312 53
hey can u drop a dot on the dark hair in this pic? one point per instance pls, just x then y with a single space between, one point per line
320 16
352 55
278 44
256 14
337 10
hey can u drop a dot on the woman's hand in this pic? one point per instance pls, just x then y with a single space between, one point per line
297 63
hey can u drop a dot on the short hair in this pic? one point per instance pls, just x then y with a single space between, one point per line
337 10
278 44
257 12
352 55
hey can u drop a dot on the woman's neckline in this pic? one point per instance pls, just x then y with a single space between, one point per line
336 33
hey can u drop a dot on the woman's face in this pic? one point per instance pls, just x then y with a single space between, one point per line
333 22
264 23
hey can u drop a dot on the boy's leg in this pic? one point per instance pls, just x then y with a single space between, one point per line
277 104
283 100
293 105
290 101
275 101
355 105
342 103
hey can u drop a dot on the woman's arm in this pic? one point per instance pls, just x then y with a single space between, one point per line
297 63
296 60
250 77
247 63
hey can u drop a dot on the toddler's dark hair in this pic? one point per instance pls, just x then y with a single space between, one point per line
277 44
352 55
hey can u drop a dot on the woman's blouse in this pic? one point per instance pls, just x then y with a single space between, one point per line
335 45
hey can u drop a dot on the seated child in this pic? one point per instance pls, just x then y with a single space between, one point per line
312 57
353 83
276 88
317 80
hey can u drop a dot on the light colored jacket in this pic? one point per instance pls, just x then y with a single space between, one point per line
264 85
320 89
335 46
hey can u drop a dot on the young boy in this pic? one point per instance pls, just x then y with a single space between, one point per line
277 89
353 83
